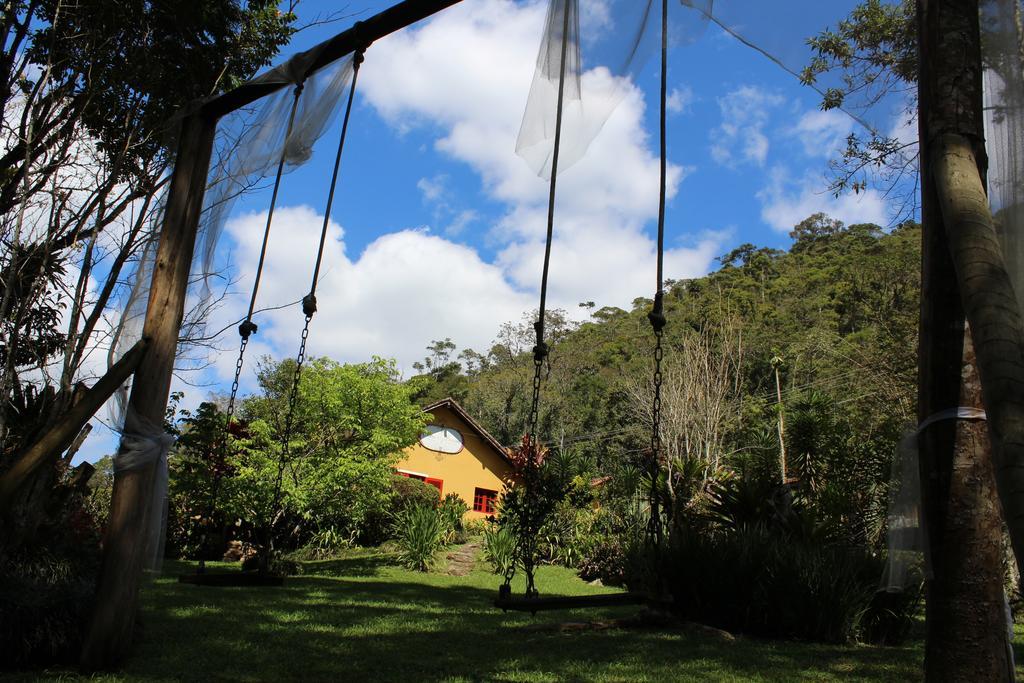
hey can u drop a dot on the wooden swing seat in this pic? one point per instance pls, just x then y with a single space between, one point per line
557 602
232 579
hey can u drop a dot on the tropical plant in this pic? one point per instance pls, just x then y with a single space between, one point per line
419 534
500 548
451 511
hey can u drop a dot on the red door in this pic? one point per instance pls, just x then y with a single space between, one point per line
436 483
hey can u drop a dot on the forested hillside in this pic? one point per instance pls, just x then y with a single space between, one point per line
835 316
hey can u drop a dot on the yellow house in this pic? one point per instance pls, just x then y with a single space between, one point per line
457 455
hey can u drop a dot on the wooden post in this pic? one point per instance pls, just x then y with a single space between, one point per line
960 511
110 632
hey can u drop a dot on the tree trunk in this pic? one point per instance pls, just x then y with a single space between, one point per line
966 620
966 630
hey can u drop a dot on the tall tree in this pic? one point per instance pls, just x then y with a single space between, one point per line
88 98
963 281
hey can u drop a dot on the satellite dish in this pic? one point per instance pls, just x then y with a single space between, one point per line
441 439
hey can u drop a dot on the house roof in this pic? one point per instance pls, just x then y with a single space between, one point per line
452 405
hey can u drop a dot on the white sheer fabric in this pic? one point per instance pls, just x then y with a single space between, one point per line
610 41
1003 58
250 144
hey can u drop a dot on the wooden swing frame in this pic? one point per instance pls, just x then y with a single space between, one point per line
955 234
110 632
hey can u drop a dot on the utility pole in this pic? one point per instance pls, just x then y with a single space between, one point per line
776 362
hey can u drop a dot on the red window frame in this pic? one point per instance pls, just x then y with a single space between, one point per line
485 500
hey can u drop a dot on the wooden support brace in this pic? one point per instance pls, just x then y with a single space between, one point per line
62 436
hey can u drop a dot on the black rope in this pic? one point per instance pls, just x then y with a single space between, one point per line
524 546
540 351
657 314
248 327
309 301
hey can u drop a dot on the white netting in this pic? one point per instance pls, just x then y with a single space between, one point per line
250 145
610 41
144 443
907 540
1003 59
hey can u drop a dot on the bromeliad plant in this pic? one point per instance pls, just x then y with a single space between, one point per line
500 548
526 506
419 533
451 510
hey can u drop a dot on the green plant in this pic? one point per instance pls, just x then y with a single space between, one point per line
328 542
46 596
499 548
408 492
772 584
419 534
451 510
475 527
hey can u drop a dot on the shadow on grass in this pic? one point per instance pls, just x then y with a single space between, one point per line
324 628
369 565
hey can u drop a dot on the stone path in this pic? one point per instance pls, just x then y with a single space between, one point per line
462 558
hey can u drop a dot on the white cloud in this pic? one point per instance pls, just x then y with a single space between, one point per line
740 137
485 51
785 201
823 133
434 188
405 289
460 222
466 74
680 100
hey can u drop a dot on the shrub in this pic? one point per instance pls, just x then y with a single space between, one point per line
475 527
451 511
409 492
770 584
606 560
45 598
419 533
499 548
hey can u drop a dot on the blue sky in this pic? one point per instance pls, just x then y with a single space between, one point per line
437 227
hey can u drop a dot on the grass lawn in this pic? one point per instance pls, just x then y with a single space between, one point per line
363 619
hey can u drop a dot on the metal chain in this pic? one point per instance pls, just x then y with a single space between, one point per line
293 399
654 523
538 364
309 301
246 329
657 314
540 351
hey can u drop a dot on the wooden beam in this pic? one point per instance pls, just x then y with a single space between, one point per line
361 35
55 441
110 632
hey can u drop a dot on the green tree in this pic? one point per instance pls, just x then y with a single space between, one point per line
88 93
350 423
